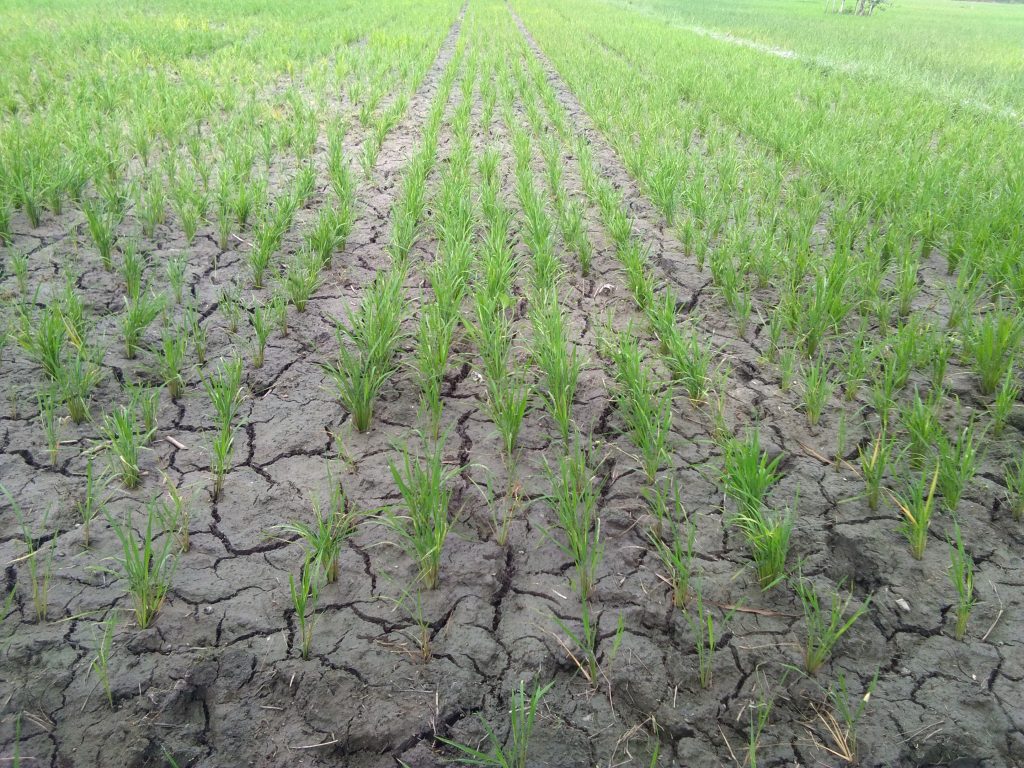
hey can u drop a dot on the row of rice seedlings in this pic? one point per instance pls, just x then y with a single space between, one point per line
225 390
747 476
646 411
374 327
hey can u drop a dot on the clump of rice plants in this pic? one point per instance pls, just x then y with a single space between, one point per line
557 358
824 627
747 475
374 330
125 439
573 497
917 504
424 484
991 343
305 595
958 462
226 393
513 752
961 574
147 565
139 313
673 540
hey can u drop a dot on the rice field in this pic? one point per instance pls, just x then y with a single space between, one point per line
575 383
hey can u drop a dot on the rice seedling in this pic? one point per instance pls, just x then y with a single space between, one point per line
124 441
705 639
18 264
146 565
331 528
51 423
818 389
91 503
39 573
690 361
151 206
374 329
175 516
921 421
302 278
647 413
917 504
573 497
514 750
1005 399
1014 479
747 472
230 306
841 718
133 268
874 464
433 344
104 644
177 266
958 462
961 573
43 338
260 317
259 258
424 485
673 540
787 368
171 368
139 313
196 333
991 343
557 358
76 380
102 224
145 400
824 628
759 712
226 394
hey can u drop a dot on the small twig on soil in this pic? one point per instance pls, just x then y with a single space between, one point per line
317 746
179 445
728 745
756 611
999 615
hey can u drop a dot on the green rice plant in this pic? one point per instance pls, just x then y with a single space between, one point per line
874 464
139 313
841 722
124 441
855 367
513 751
673 541
647 413
77 378
18 263
374 329
177 266
196 331
961 573
151 206
920 419
302 278
747 472
1006 398
574 231
991 343
51 423
91 503
133 268
170 365
635 258
330 232
102 224
104 643
573 497
43 338
226 393
39 574
824 628
958 462
705 639
433 345
222 451
147 566
5 222
277 310
190 203
557 358
175 513
424 485
259 258
917 504
906 285
260 317
230 306
818 390
582 646
145 400
331 528
767 534
1014 479
508 401
941 350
